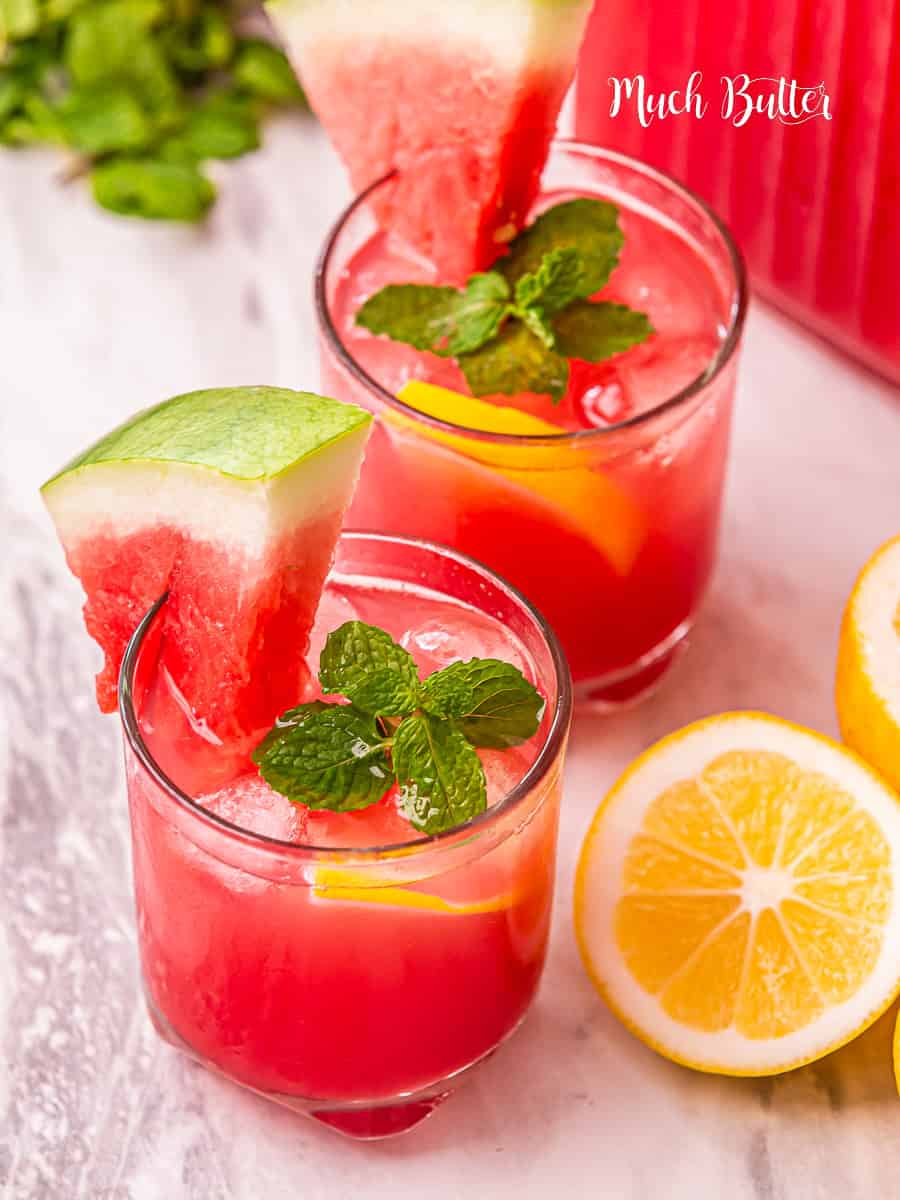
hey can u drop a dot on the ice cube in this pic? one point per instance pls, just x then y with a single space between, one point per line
380 824
653 373
335 609
597 394
250 803
503 769
435 644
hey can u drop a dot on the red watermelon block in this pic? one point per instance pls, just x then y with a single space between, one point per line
460 97
231 500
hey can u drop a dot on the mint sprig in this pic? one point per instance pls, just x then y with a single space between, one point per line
141 92
397 728
514 328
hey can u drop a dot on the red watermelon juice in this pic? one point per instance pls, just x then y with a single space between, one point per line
342 963
609 521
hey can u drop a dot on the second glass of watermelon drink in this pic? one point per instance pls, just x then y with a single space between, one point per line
341 963
608 520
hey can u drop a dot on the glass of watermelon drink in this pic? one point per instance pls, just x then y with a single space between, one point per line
604 509
340 963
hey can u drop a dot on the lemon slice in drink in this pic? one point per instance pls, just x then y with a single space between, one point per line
339 883
867 689
563 477
736 896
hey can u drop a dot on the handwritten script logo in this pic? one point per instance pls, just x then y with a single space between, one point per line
743 96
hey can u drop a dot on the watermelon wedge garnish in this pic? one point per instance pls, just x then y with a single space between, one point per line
460 96
232 501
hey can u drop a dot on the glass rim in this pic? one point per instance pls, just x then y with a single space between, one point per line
679 399
546 757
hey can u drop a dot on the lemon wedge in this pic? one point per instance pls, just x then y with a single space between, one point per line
563 477
736 896
338 883
867 688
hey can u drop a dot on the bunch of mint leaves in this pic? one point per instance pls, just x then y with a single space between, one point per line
396 728
513 329
141 92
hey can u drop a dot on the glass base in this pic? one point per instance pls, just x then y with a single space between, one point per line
625 688
364 1120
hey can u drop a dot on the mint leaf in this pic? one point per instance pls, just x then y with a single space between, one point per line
367 666
440 775
515 361
101 119
288 720
491 701
18 19
418 314
152 189
204 42
589 226
595 330
557 281
329 757
261 69
538 326
478 312
443 320
221 127
102 40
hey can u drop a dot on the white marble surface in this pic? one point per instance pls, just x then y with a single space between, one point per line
98 317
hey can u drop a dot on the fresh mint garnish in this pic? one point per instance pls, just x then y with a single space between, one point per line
595 330
589 226
516 361
514 328
440 319
144 92
397 729
331 756
441 777
489 699
367 666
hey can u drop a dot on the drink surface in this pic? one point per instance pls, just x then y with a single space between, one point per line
811 202
325 982
659 273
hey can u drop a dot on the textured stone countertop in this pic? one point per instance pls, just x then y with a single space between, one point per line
98 317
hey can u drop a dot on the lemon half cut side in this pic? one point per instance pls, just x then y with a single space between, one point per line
736 896
867 688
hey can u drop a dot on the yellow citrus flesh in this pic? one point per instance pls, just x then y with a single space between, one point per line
867 688
562 476
337 883
736 899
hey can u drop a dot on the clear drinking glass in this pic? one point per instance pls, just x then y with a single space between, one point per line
357 984
609 527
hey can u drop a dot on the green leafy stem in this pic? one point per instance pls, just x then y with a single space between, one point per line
421 735
513 329
143 92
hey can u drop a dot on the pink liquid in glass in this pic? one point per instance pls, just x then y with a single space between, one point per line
352 984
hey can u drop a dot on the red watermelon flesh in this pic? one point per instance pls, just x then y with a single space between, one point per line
242 547
460 98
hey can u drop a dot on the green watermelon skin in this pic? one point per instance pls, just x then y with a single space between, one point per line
461 98
230 500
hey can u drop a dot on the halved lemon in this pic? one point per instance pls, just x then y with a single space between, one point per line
564 477
340 883
867 688
736 901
